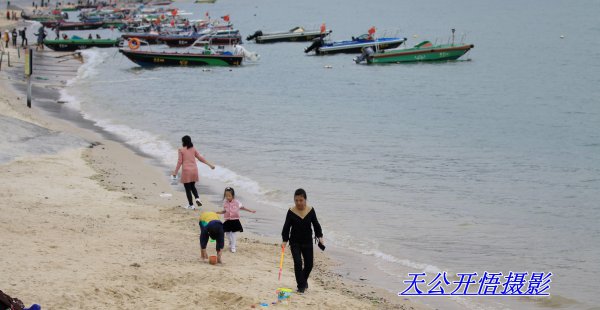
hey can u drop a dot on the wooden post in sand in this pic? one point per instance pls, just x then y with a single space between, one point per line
28 72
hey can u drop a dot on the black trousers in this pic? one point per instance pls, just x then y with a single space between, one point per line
190 188
302 251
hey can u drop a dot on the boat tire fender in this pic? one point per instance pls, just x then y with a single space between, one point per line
134 43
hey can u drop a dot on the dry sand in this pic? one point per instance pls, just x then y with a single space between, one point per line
86 227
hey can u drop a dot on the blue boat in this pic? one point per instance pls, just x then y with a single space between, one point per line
322 47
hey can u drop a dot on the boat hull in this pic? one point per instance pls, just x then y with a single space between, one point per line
420 54
290 37
73 45
150 38
355 49
152 59
187 41
79 26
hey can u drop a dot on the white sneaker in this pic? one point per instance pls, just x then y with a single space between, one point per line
233 250
198 202
191 207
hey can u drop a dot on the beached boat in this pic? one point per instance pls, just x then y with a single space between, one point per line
201 53
76 43
424 51
205 1
296 34
42 18
322 47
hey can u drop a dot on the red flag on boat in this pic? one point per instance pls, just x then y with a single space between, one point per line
162 16
372 30
174 12
225 18
172 23
323 28
206 14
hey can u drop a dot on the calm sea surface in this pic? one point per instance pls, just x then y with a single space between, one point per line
487 164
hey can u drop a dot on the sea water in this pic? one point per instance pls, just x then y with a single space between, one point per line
490 163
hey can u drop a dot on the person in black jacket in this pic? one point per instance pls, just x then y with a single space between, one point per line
299 219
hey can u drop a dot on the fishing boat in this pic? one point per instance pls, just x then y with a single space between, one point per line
424 51
323 47
42 18
200 53
205 1
78 25
77 43
116 24
296 34
228 37
68 8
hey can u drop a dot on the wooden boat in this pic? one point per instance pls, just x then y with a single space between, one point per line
296 34
199 54
322 47
76 43
205 1
424 51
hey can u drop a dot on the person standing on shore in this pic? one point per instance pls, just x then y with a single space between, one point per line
5 38
14 37
41 35
231 211
299 219
189 172
23 35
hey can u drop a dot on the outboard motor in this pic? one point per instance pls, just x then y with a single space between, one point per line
258 33
316 43
367 52
251 56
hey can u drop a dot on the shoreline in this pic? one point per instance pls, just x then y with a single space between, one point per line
112 170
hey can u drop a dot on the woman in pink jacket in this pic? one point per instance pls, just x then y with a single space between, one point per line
189 171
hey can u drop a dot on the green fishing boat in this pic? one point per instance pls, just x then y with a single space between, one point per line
424 51
74 44
69 9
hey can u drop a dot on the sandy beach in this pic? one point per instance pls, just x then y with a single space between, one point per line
89 223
